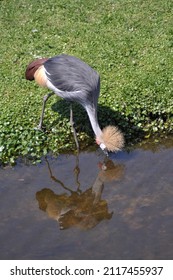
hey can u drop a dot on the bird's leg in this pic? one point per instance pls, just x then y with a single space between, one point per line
45 98
73 128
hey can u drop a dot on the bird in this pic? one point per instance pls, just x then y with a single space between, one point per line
74 80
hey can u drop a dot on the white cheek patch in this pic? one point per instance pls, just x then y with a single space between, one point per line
102 146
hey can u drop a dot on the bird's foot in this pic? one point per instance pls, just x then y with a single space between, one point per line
39 128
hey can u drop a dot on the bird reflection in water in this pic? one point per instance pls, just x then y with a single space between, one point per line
81 209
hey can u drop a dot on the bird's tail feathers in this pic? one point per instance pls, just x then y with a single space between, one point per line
32 68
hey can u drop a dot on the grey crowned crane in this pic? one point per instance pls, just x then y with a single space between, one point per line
74 80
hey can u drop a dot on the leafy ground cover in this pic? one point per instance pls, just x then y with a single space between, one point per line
129 42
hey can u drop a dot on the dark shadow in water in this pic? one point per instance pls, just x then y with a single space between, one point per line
106 116
81 209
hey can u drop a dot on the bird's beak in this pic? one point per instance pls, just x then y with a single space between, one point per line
103 148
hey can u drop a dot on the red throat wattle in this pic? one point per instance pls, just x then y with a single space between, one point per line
98 141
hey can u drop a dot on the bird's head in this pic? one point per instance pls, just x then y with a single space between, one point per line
100 142
111 139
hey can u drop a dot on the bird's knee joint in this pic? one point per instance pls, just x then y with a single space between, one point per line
45 98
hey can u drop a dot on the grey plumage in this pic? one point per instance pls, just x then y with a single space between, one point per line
75 80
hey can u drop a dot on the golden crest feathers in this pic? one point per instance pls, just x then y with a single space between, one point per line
113 138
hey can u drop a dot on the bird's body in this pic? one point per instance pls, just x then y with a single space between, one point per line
73 80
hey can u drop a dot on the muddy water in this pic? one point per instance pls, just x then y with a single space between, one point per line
90 207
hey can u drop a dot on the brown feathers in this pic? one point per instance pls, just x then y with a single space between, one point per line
113 138
32 68
40 76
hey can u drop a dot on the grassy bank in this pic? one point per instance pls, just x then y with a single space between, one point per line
129 42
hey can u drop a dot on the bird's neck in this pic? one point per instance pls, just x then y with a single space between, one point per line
92 114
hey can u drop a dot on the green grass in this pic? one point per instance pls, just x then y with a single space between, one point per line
129 42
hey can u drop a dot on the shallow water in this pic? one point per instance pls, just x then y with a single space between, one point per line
90 207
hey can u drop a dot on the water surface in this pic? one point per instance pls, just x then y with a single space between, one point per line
90 207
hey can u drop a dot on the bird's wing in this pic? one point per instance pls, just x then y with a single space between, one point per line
32 68
68 73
